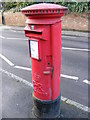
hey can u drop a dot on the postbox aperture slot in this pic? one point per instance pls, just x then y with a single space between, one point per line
34 49
34 32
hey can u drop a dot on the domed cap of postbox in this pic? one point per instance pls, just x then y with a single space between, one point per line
44 10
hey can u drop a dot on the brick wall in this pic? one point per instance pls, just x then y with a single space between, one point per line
69 22
15 19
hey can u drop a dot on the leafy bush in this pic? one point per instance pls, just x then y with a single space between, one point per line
75 7
9 5
15 5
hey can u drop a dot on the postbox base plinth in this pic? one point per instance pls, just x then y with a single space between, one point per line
46 109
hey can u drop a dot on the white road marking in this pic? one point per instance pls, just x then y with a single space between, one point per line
13 38
4 27
78 105
62 75
75 49
70 77
63 98
16 77
6 60
2 37
29 69
17 38
24 68
68 101
68 36
17 31
13 30
86 81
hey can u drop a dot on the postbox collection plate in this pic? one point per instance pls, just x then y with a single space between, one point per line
34 49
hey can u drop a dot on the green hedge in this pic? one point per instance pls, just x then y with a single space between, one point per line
76 7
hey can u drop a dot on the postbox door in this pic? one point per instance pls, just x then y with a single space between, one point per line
41 62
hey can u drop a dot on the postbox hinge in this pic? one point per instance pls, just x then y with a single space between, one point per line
52 71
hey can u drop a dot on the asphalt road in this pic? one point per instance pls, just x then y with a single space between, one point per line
74 71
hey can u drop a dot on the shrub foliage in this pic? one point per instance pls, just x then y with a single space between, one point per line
75 7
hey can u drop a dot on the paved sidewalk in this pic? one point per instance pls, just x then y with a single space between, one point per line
64 32
18 103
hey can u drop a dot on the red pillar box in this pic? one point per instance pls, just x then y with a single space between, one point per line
44 33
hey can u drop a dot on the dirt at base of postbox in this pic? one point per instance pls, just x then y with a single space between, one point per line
69 22
68 111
